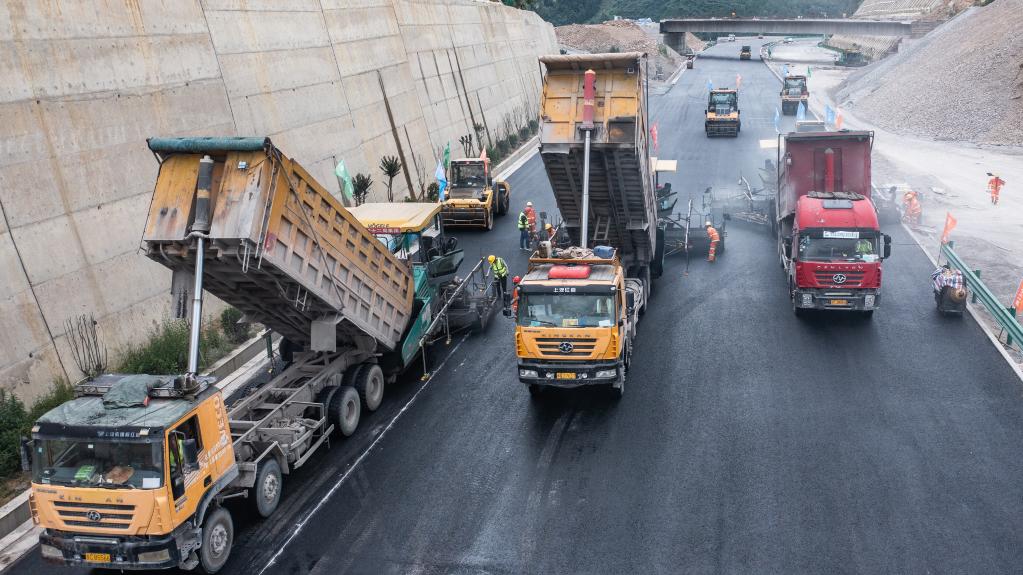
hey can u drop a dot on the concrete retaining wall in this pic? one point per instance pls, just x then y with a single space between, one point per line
83 83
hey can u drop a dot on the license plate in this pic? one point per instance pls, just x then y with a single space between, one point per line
97 557
839 302
565 375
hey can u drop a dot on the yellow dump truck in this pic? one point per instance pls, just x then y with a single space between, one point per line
132 473
579 306
723 115
474 198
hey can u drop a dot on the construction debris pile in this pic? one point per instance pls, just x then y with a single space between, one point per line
975 62
624 36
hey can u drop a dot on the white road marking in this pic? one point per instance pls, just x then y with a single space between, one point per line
358 460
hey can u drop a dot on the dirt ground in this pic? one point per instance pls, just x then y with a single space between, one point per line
950 176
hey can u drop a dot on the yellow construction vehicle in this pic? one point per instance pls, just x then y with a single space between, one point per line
578 307
471 201
745 53
132 473
722 116
793 93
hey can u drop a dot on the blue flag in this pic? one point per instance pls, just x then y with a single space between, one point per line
777 119
710 85
442 180
800 112
829 115
785 70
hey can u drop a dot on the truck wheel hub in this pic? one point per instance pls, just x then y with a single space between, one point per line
218 539
270 487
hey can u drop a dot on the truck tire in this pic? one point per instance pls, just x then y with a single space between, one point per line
266 492
217 538
369 382
867 314
618 387
344 410
657 266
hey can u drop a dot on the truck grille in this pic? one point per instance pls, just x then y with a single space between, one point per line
828 278
566 346
101 515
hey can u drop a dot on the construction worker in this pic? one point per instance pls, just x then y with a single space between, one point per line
523 231
994 187
551 232
500 270
714 237
912 207
515 295
531 215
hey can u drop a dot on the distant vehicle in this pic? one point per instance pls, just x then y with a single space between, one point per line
722 115
745 53
760 36
793 92
731 37
787 40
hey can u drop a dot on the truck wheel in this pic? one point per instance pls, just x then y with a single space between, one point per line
489 217
535 390
344 410
369 382
868 314
217 537
618 387
267 490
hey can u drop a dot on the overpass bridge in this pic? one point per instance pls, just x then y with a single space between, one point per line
674 30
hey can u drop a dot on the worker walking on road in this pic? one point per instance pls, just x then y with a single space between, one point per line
912 208
994 187
714 237
500 271
523 231
530 216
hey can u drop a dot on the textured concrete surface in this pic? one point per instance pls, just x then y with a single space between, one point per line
83 84
748 440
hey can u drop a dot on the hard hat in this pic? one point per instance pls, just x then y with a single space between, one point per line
516 279
547 227
529 204
708 225
490 259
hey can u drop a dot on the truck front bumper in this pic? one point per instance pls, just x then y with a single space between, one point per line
853 300
569 374
111 552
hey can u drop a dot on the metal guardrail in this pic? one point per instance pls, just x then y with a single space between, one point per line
1005 316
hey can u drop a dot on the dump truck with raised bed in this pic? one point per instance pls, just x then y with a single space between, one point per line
722 117
829 241
132 473
793 93
474 198
579 307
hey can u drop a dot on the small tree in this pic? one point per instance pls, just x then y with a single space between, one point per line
433 191
391 167
360 185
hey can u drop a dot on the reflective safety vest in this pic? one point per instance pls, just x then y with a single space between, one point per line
523 221
499 267
713 235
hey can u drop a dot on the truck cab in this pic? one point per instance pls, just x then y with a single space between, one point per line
722 116
124 475
575 323
473 198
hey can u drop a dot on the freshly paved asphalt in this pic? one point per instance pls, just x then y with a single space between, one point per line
748 441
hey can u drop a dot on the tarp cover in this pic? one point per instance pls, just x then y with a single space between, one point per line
133 390
207 144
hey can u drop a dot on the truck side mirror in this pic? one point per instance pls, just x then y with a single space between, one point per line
191 455
630 301
887 246
787 244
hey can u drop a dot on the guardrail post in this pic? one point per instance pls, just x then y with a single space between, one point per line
1008 337
976 273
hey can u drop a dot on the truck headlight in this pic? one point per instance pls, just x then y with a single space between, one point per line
527 373
50 552
154 556
604 373
807 300
868 300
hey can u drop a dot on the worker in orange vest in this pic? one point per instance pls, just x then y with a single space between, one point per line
912 207
531 217
994 187
515 295
714 239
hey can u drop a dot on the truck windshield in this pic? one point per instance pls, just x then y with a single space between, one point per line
566 310
92 463
845 249
468 175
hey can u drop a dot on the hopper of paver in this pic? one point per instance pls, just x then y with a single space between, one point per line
281 248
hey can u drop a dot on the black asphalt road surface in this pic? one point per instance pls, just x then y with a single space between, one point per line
748 441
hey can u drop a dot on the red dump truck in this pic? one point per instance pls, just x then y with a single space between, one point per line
829 241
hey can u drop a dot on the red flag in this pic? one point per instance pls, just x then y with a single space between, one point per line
838 120
653 136
1017 302
950 223
738 81
483 154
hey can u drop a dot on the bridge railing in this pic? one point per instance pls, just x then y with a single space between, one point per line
1005 316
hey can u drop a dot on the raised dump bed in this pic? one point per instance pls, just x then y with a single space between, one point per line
281 248
623 206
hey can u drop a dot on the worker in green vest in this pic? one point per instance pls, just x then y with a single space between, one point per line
500 271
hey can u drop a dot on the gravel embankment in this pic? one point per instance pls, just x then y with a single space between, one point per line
962 82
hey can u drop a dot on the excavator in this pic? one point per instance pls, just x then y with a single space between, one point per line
722 117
